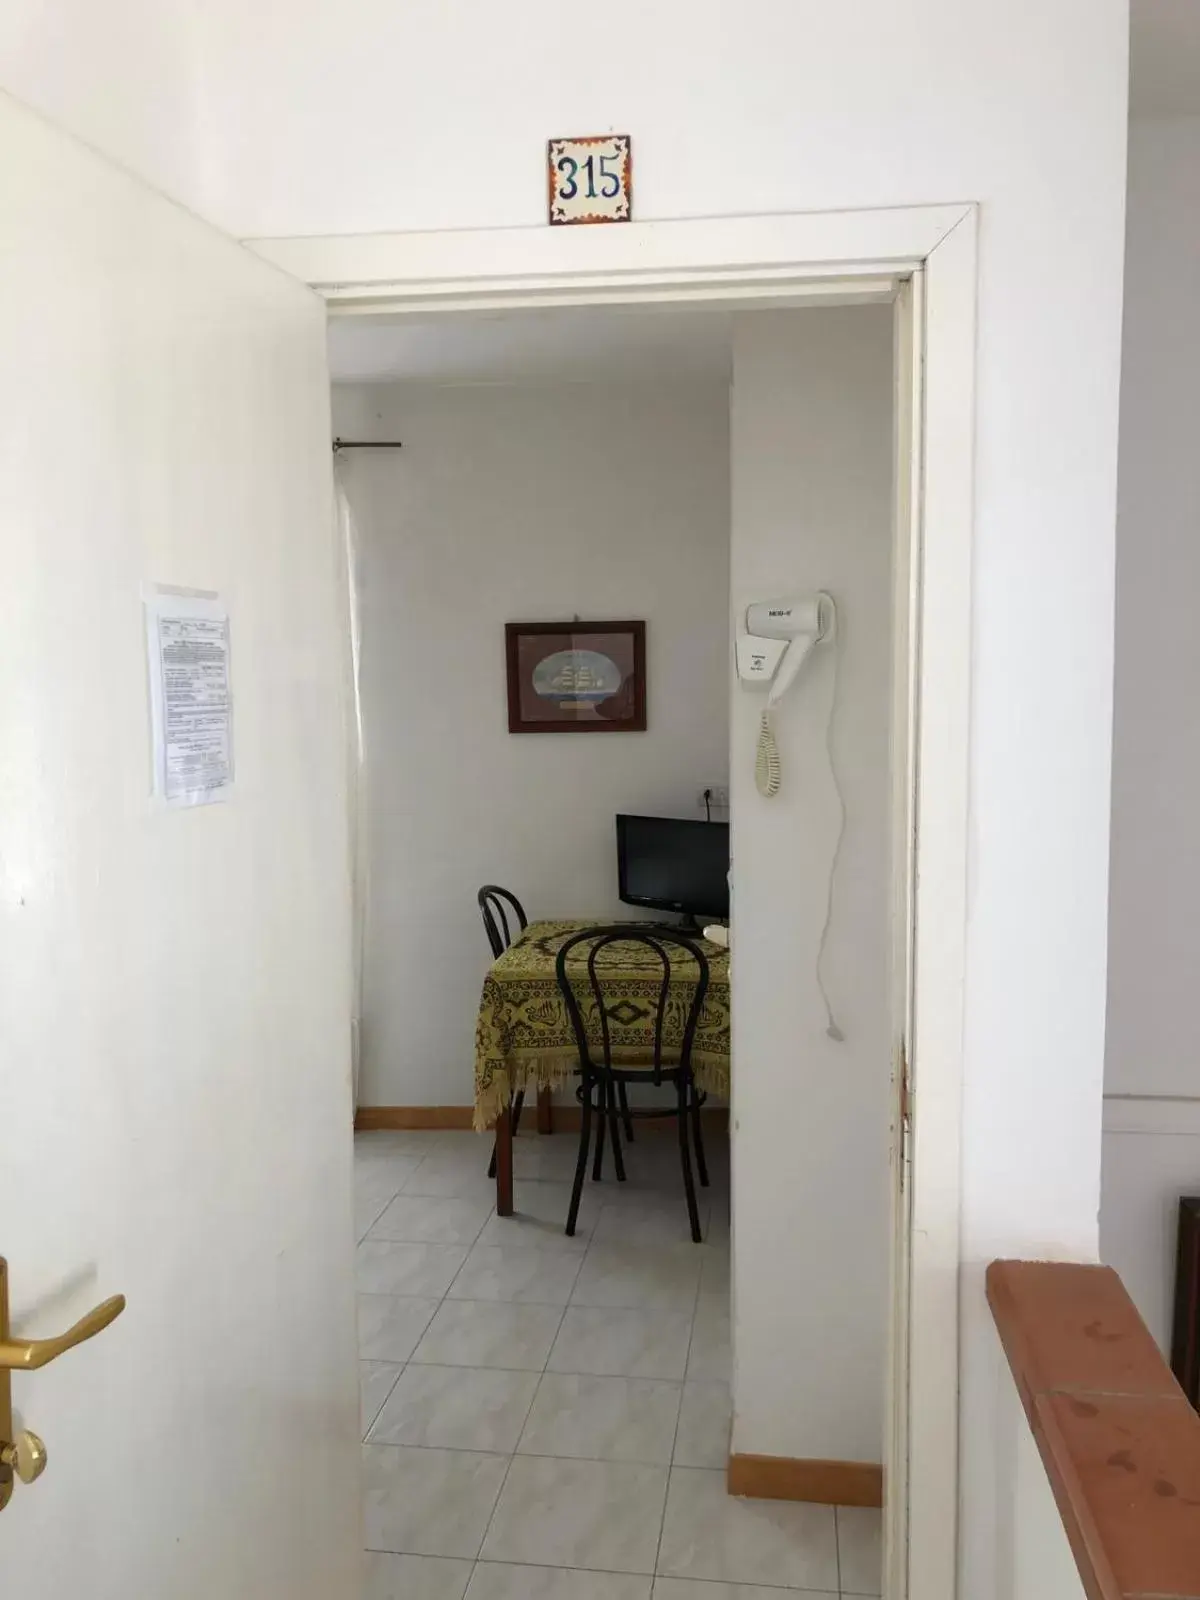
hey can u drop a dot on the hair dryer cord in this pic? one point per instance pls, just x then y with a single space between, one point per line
768 773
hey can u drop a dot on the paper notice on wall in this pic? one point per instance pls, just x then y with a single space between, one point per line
191 706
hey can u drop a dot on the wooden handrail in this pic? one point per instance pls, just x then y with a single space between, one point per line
1116 1434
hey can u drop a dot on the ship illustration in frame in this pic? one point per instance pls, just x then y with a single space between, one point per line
576 677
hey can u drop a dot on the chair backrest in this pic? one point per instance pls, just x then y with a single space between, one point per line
603 960
491 900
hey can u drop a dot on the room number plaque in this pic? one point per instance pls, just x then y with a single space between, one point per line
591 179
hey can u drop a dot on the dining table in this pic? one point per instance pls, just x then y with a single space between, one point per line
524 1039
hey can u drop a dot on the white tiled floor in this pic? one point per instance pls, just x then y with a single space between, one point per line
548 1418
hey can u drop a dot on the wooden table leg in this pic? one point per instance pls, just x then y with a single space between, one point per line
545 1112
504 1163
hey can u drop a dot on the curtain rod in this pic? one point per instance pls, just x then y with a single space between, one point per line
366 444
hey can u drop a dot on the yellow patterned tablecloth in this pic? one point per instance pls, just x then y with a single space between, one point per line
523 1039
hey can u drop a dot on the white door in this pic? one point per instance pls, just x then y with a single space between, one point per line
909 332
174 984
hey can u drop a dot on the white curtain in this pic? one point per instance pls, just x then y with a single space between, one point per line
355 757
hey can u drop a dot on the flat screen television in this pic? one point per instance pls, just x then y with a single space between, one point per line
668 864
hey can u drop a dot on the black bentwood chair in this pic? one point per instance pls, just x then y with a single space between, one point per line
601 1093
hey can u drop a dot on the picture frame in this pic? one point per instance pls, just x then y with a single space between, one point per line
576 677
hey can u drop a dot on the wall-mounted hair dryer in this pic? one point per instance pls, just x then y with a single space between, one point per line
779 636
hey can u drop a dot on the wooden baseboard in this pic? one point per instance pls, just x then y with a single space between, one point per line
565 1119
831 1483
370 1118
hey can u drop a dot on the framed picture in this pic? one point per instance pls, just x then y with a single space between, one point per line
576 677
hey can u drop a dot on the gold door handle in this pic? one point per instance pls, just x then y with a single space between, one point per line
25 1456
26 1355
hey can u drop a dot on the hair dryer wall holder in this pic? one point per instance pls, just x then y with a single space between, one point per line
779 637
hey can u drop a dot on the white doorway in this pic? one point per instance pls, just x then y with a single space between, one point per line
932 1322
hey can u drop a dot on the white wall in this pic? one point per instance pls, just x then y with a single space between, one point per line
812 478
1151 1158
366 115
125 76
515 504
1034 1560
174 986
1152 1068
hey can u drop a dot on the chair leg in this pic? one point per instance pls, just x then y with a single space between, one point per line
601 1121
615 1127
697 1139
516 1122
685 1156
625 1117
585 1130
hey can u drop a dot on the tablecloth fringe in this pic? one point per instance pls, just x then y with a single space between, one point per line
551 1071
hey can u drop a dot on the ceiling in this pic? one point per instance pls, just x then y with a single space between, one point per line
596 345
1164 57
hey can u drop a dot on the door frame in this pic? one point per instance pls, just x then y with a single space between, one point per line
844 257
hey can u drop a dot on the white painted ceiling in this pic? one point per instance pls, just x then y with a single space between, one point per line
1164 57
603 344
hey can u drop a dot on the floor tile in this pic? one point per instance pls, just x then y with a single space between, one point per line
860 1549
396 1162
493 1581
541 1217
451 1183
604 1515
387 1171
643 1277
710 1534
503 1272
490 1333
687 1589
428 1219
602 1419
456 1408
710 1359
391 1577
440 1139
720 1220
385 1268
367 1208
428 1502
390 1325
383 1142
715 1274
704 1422
550 1157
375 1186
656 1219
375 1380
455 1173
621 1343
656 1183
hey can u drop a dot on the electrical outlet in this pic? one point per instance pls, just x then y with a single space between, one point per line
717 797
